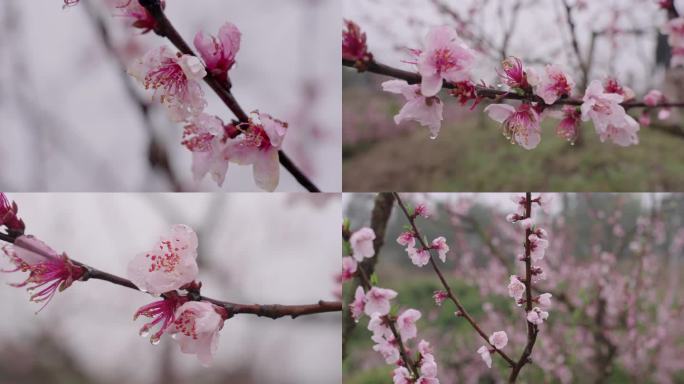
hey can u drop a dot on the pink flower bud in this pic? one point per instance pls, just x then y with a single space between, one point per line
357 306
498 339
48 271
8 216
485 355
349 266
516 288
441 246
354 46
362 243
439 297
219 53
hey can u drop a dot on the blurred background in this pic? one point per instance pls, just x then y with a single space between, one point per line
618 38
614 268
72 120
249 252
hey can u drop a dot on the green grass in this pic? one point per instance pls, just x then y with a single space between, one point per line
472 155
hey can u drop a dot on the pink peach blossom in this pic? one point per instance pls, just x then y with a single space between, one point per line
354 43
424 348
137 15
362 243
407 239
545 300
441 246
498 339
174 77
601 107
378 326
427 111
219 53
537 316
406 323
537 247
348 267
674 29
516 288
205 137
170 265
8 216
485 355
163 313
49 272
378 301
445 57
401 375
196 330
419 257
514 74
428 367
521 125
439 297
258 146
553 84
358 306
569 126
653 98
422 211
388 350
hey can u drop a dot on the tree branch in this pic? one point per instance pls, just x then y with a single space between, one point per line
273 311
446 286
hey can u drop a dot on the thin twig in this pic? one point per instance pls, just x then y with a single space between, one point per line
463 312
273 311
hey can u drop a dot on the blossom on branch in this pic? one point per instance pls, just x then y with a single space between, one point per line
406 323
357 307
362 243
174 77
498 339
162 313
48 271
8 216
445 57
520 125
427 111
609 117
137 14
516 288
378 301
219 52
196 329
441 246
349 267
169 265
354 46
537 316
552 84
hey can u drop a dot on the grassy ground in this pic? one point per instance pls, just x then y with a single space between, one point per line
471 155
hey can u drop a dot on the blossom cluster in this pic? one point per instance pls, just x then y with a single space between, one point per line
420 256
169 267
176 77
446 61
375 302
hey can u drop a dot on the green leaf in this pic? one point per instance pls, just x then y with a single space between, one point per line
374 279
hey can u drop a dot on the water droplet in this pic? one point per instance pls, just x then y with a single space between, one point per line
144 332
174 336
155 340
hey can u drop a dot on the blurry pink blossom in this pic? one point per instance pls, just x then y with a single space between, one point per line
348 267
545 300
653 98
445 57
427 111
422 211
196 329
378 301
378 325
205 137
553 84
419 257
362 243
485 355
521 125
258 145
516 288
498 339
219 53
401 375
537 247
48 271
388 350
407 239
354 46
428 368
441 246
406 323
8 216
137 14
439 297
358 305
569 126
609 117
537 316
514 75
175 79
163 313
171 264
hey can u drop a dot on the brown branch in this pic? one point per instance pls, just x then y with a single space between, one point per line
164 28
532 329
273 311
490 93
463 312
584 69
